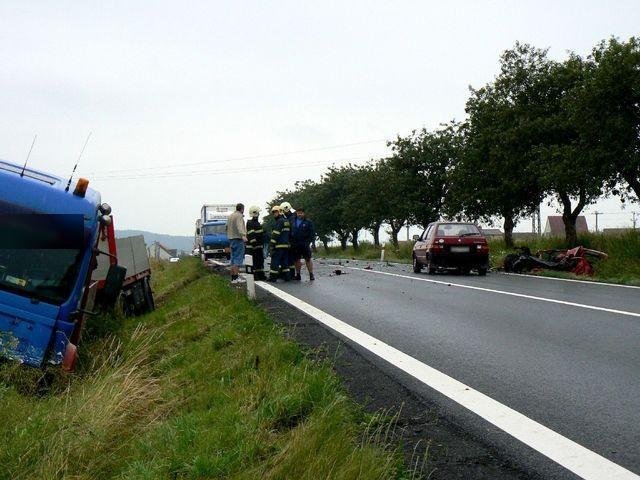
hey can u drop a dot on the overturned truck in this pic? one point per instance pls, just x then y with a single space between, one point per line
52 232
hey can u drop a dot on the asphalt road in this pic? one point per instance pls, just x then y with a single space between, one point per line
573 369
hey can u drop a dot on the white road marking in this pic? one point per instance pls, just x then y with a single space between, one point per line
502 292
571 455
571 280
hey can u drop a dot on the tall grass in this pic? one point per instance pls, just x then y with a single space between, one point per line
204 387
368 251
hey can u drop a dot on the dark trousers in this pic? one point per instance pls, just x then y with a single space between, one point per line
258 263
280 264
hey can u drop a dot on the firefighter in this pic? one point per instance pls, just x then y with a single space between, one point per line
255 240
279 246
290 215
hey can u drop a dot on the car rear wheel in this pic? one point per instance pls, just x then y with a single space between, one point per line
417 266
431 270
482 272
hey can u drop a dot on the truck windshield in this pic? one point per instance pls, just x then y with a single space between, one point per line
214 229
40 255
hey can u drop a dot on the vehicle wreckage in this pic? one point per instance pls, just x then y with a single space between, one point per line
575 260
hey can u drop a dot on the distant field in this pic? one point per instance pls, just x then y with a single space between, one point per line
180 242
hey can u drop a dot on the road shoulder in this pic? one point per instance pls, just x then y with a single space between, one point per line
452 451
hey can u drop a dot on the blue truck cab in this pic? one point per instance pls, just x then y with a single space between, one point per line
48 235
215 242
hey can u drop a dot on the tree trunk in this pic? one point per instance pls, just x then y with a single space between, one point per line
343 242
569 217
325 244
354 238
395 229
508 226
375 231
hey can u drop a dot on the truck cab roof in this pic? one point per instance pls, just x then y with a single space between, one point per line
39 192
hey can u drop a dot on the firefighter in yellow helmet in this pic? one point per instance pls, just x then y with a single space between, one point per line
255 241
290 215
279 246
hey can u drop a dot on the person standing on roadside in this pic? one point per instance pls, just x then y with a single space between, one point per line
237 235
255 237
302 236
279 246
290 216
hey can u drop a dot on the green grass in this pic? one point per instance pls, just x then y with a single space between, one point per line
368 251
622 266
204 387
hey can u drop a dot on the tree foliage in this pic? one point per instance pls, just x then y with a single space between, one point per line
565 130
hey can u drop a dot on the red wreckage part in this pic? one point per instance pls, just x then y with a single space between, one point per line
574 260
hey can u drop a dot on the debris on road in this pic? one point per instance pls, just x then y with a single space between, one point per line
574 260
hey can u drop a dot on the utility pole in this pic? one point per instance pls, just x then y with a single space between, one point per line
539 218
596 213
634 219
408 232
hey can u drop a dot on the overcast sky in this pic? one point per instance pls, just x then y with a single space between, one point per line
174 91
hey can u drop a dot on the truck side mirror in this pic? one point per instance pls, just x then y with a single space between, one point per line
416 238
112 285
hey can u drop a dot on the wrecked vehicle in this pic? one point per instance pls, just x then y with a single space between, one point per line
574 260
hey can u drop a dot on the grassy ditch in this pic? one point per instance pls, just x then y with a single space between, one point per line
204 387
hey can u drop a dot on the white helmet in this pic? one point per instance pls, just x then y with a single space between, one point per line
286 207
254 211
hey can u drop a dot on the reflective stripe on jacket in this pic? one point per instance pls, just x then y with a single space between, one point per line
255 234
280 233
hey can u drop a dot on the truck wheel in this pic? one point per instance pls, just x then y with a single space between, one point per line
417 266
148 295
482 271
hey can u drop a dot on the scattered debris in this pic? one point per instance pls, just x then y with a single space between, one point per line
368 267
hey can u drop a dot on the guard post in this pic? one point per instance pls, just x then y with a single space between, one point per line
251 284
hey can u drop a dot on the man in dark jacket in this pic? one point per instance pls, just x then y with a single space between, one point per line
255 241
302 236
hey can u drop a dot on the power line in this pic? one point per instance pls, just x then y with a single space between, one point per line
235 159
222 172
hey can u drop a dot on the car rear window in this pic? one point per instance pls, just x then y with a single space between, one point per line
456 229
